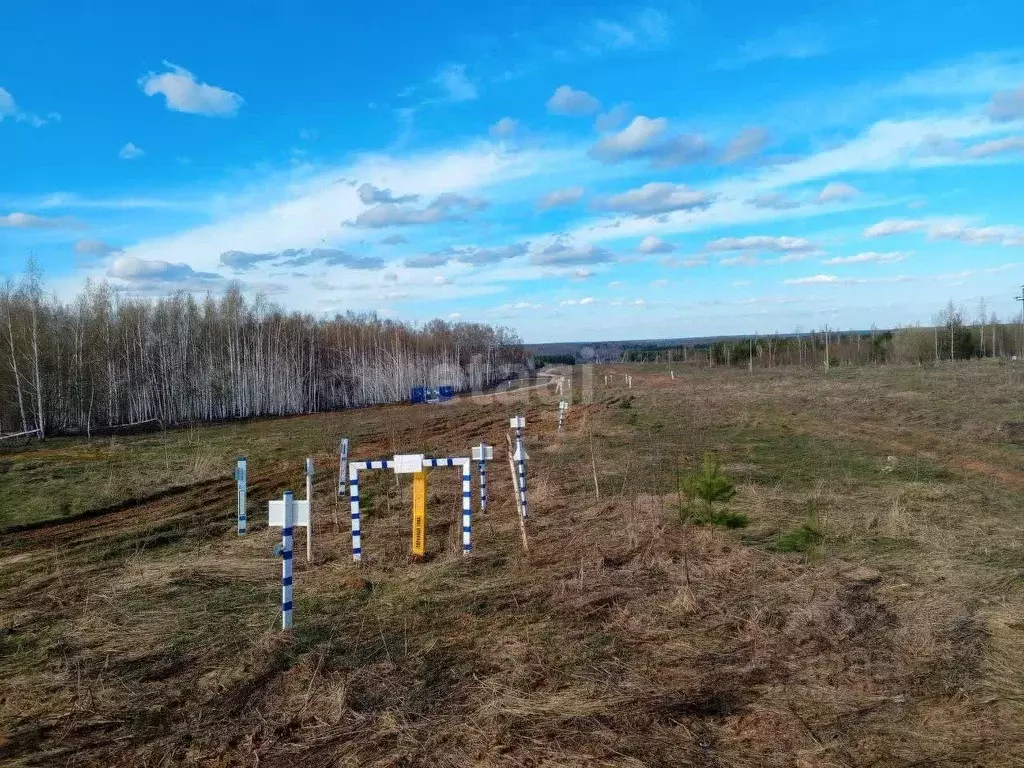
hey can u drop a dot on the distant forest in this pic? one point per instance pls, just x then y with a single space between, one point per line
951 337
106 359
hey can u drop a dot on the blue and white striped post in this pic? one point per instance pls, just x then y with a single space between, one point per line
563 406
353 494
481 454
467 508
286 560
518 423
241 477
342 466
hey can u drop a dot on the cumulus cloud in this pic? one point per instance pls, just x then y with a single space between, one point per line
428 260
975 235
95 249
868 257
652 244
582 274
478 257
161 276
560 197
644 139
1007 105
655 198
184 94
445 207
836 191
577 302
775 201
571 102
741 260
894 227
372 195
761 243
19 220
562 255
10 109
748 143
813 280
997 147
242 261
613 118
456 86
130 152
505 128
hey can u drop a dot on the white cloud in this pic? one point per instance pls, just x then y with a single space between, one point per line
868 257
656 198
560 197
10 109
741 283
797 42
661 282
442 280
742 260
644 139
241 261
577 302
583 274
569 101
775 201
1007 105
649 29
445 207
372 195
748 143
652 244
95 248
505 128
690 263
456 86
612 119
813 280
562 255
836 191
130 152
968 234
997 147
894 227
761 243
151 276
18 220
184 94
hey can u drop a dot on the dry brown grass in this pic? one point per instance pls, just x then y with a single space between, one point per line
148 636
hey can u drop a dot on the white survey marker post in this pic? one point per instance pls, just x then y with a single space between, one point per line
481 454
309 502
517 423
342 466
241 477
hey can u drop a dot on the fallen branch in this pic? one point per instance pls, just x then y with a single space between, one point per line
21 434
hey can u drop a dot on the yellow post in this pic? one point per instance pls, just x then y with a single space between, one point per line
419 513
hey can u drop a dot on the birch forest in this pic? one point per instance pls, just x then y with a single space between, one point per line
106 360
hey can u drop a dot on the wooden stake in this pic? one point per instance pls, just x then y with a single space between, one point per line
515 485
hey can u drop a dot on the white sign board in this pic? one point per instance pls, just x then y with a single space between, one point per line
517 422
525 456
479 455
564 405
301 509
407 463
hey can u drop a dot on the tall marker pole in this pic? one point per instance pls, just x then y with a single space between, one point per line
286 561
518 423
467 508
241 477
353 492
419 513
342 465
309 500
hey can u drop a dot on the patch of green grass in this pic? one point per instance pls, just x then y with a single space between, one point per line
808 538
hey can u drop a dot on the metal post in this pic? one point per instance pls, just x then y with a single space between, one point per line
241 476
467 500
483 485
286 561
342 466
522 470
357 542
309 500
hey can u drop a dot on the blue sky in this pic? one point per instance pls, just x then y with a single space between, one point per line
615 171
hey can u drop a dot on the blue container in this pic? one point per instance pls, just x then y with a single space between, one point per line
446 393
418 395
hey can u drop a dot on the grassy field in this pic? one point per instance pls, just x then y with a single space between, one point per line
870 614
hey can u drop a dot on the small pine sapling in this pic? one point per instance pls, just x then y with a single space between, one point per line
711 486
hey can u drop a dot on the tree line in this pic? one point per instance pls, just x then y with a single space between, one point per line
106 359
952 336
